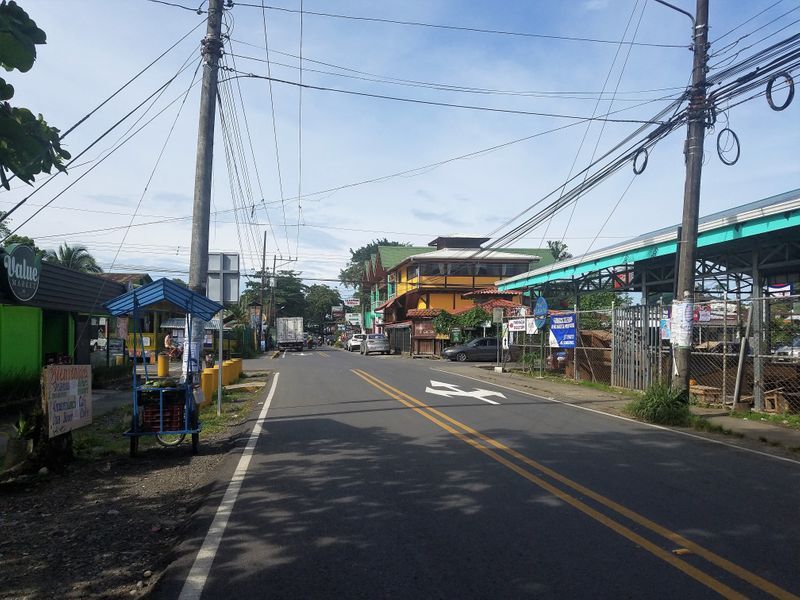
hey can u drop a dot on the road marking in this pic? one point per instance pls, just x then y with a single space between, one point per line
323 354
628 419
428 412
196 580
450 390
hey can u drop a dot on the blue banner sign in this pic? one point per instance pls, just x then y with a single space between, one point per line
540 312
562 330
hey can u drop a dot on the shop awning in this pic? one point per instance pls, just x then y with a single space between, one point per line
164 295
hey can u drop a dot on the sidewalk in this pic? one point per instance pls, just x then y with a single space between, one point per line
752 428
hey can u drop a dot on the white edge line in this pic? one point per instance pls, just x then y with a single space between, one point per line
196 580
629 420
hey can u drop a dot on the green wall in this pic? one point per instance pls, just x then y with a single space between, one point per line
20 340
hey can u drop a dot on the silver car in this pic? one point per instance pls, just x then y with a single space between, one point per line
354 343
375 342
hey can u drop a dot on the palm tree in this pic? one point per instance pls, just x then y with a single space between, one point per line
76 258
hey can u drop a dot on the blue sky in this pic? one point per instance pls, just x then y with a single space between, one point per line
94 46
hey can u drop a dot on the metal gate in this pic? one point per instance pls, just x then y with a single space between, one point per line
635 347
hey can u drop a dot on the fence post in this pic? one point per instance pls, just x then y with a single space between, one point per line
725 349
613 344
577 344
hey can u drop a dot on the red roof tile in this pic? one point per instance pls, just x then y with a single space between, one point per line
491 291
507 305
424 313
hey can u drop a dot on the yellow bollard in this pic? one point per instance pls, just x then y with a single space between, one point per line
163 365
227 372
119 360
238 368
215 378
206 381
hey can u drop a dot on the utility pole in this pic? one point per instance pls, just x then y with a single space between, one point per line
274 285
261 295
687 246
201 211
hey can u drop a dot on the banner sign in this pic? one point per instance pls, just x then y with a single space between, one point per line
351 302
516 324
497 315
681 324
66 397
702 314
337 311
562 330
353 318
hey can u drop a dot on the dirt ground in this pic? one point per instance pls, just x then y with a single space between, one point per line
104 528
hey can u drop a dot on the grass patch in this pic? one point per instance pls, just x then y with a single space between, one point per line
595 385
104 436
790 421
19 389
108 376
662 405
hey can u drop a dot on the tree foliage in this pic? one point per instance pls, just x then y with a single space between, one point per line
444 322
28 145
353 272
319 300
558 249
76 258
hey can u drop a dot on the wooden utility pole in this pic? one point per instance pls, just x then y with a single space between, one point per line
261 295
201 213
687 246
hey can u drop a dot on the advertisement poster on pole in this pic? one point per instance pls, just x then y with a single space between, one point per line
681 324
562 330
516 324
530 326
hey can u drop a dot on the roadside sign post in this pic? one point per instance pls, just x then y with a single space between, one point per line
497 319
223 287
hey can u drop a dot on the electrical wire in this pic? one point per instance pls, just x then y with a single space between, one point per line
458 27
299 136
199 10
5 215
241 74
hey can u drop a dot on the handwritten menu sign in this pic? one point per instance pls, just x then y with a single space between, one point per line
67 397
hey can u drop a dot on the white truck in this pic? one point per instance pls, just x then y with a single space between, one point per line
290 333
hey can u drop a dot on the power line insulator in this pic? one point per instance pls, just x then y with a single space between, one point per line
638 168
789 83
724 149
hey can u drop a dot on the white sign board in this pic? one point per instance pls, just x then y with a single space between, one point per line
66 397
516 324
352 302
353 318
681 324
530 326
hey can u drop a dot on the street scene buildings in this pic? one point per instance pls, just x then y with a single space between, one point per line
399 300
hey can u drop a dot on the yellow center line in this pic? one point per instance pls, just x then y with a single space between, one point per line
674 537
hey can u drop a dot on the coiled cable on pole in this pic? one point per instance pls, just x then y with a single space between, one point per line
638 169
721 152
789 83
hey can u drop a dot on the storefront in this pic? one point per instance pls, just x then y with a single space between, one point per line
49 314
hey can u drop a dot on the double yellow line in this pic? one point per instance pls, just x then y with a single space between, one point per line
503 455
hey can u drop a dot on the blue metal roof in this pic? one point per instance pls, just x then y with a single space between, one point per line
164 294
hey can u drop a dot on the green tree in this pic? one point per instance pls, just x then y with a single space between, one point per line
28 145
558 249
76 258
17 239
290 294
353 272
319 300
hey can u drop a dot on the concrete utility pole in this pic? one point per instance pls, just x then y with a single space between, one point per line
201 212
261 295
687 246
272 306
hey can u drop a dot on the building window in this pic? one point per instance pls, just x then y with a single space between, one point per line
462 269
412 272
433 269
488 270
511 269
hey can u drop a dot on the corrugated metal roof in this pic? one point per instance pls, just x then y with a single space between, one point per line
662 242
472 254
180 322
164 294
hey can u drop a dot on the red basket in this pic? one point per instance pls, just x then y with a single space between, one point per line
173 417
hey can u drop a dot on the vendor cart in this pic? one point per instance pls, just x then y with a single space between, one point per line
165 407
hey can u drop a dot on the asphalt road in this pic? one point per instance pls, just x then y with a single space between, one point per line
381 477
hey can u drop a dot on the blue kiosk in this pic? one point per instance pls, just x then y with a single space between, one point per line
164 408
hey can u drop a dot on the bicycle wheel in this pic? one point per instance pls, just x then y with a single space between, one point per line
170 439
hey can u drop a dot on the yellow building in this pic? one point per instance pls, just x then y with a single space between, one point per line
428 280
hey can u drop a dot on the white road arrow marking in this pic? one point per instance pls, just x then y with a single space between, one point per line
451 390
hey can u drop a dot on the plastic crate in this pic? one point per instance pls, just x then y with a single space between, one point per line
173 417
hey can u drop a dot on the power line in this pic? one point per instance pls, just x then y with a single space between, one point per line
299 136
460 28
455 87
440 86
240 74
159 91
199 9
742 24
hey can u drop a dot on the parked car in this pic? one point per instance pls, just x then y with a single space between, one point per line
375 342
484 348
789 351
354 343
